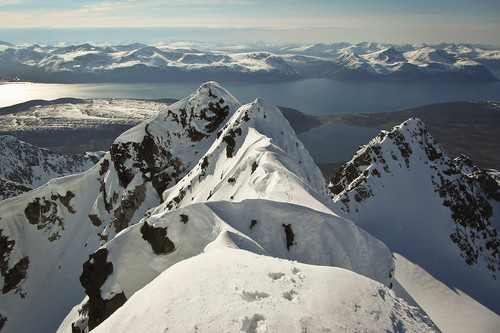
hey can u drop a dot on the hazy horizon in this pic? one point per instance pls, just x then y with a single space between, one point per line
250 21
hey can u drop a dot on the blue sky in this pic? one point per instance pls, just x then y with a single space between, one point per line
252 20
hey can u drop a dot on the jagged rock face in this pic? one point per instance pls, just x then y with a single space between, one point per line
409 153
24 167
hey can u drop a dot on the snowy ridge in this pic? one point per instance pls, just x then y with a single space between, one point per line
24 167
98 228
256 156
263 294
139 254
430 209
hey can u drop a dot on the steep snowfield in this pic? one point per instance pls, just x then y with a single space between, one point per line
451 309
437 213
26 167
230 290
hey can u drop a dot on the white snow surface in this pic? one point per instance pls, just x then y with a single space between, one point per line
252 225
451 309
231 290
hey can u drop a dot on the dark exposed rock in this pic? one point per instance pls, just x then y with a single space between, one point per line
9 189
6 247
229 140
95 272
131 201
104 167
184 218
289 235
254 166
120 153
3 320
44 213
231 143
253 223
95 220
15 275
157 238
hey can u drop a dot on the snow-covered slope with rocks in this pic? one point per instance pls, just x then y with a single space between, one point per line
92 233
434 212
24 166
202 61
229 290
72 113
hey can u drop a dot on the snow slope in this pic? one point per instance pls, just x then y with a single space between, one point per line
24 167
230 290
438 213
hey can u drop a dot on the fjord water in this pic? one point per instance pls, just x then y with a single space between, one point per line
329 143
313 96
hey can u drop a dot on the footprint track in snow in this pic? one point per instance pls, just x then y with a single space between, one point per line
276 275
254 324
253 296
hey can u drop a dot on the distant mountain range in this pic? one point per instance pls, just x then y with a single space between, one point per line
198 62
212 216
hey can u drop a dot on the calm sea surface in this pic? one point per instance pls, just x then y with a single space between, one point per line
315 97
328 143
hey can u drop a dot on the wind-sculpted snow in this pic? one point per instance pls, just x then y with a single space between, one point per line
256 155
253 225
24 167
230 290
404 190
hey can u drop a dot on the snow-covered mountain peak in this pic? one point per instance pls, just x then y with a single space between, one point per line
404 190
256 155
428 55
388 55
